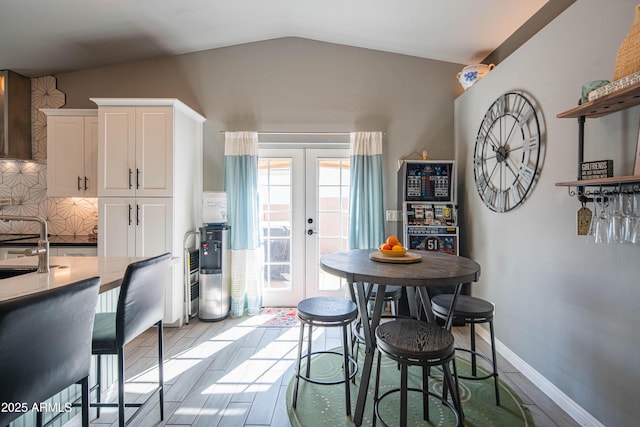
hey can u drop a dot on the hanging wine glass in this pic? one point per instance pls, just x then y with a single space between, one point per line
634 237
615 219
628 215
601 227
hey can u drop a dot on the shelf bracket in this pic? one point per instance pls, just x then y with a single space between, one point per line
580 190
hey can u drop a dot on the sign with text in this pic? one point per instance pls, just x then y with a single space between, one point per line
596 170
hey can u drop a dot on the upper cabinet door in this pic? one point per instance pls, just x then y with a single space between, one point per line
72 144
116 151
154 152
135 156
65 156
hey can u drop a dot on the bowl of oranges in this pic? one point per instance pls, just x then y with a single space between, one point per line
392 247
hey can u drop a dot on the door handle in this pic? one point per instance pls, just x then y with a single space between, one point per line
130 172
79 187
86 187
129 214
137 214
137 178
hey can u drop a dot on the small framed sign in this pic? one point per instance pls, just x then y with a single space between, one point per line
596 170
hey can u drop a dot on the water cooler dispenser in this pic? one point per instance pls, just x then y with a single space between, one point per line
215 273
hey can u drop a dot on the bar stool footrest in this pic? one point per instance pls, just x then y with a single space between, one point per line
482 356
418 390
352 375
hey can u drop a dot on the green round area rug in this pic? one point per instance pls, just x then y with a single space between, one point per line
324 405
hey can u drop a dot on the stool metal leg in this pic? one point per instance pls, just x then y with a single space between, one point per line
309 339
403 395
85 402
347 386
376 391
474 363
426 371
294 398
98 382
160 370
495 363
451 381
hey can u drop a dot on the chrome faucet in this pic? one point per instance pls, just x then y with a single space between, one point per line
43 243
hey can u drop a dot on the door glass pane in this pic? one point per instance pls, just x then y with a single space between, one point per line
275 192
333 208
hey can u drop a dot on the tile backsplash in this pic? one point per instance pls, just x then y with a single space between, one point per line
25 182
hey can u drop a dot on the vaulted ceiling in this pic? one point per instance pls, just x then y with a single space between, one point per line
39 37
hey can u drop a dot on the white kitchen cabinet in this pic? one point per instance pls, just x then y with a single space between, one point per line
135 226
136 151
149 183
72 152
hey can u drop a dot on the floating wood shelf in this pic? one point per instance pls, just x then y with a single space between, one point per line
604 182
607 104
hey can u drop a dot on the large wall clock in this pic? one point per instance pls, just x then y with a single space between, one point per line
505 159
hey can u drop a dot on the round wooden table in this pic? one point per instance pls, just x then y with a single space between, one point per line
433 269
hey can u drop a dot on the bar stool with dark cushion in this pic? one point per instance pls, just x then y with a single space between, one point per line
45 342
471 311
326 312
140 306
412 342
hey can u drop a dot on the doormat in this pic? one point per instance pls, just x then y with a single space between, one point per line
277 317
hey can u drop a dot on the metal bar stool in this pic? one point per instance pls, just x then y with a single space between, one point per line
472 311
140 306
412 342
326 312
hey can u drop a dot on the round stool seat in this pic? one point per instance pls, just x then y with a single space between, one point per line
413 339
327 310
466 306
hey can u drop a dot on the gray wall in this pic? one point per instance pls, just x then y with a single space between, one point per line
566 308
297 85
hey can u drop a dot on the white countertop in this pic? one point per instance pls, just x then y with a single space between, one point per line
68 270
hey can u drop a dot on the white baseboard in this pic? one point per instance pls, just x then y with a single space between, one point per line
574 410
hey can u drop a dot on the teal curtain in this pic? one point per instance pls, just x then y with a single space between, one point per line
241 185
366 208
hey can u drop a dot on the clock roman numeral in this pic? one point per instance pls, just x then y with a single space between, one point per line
501 201
532 143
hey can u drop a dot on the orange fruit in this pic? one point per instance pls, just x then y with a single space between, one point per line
392 240
386 247
397 248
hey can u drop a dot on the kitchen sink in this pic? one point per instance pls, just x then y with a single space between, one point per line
6 272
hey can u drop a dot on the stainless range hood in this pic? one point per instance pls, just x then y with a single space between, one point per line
15 110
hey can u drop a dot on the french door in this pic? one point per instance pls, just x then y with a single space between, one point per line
304 202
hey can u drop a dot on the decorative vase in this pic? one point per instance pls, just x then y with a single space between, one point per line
472 73
628 59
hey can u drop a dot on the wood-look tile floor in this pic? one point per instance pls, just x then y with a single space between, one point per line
232 373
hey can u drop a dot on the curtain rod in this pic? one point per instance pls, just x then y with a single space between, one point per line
299 133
